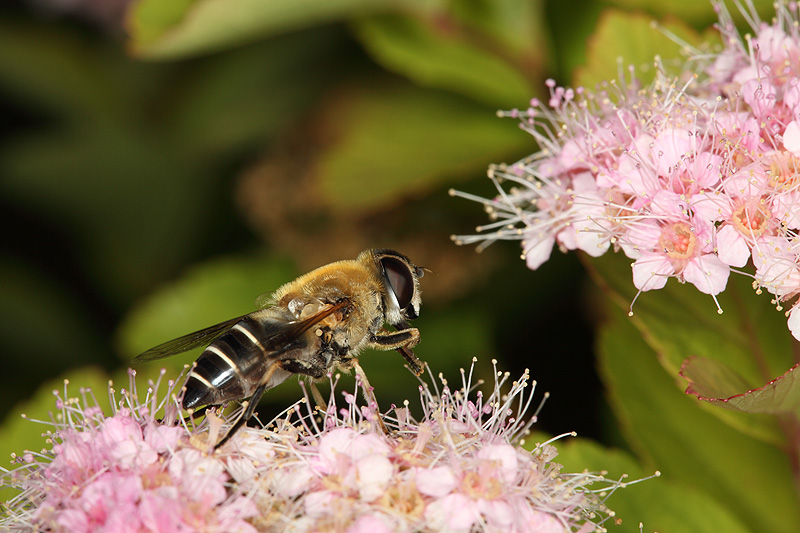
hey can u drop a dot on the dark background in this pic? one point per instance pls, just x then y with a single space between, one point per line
120 177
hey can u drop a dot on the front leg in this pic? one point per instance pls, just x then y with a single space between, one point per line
392 340
402 341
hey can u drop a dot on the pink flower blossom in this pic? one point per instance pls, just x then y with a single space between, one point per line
458 468
125 472
689 176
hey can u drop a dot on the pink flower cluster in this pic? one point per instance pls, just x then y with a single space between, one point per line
690 177
459 469
123 473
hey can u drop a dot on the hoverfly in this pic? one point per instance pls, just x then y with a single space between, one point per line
309 326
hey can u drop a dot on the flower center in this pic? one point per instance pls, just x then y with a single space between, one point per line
784 172
477 487
404 499
678 241
750 219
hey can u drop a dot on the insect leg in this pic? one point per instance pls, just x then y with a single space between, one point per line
251 407
251 404
402 341
197 413
369 395
320 401
391 340
414 363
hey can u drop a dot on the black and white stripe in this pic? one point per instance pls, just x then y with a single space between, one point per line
221 372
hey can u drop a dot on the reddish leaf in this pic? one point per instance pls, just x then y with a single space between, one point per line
715 382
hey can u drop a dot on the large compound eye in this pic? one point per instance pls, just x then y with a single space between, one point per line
401 281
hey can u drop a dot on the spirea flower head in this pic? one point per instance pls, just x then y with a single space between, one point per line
459 467
690 176
124 472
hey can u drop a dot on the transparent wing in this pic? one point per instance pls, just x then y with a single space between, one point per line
198 339
264 300
280 336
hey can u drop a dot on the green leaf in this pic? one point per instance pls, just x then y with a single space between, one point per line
631 39
207 294
433 56
707 376
148 21
678 322
404 140
659 504
517 26
168 29
690 11
231 102
690 446
715 382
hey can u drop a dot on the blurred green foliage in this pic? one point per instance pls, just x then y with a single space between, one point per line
157 182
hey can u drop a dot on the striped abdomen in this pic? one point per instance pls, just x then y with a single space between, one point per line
232 366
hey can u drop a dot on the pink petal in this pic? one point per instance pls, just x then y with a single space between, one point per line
374 474
538 521
751 180
583 183
163 438
791 138
453 513
497 513
644 234
669 204
333 444
712 206
370 524
707 273
317 504
123 518
651 271
232 516
133 454
732 248
537 251
436 482
670 147
201 478
368 444
794 322
73 520
705 170
791 95
759 95
291 481
506 458
591 237
773 45
160 514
